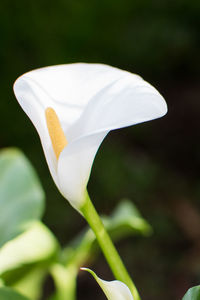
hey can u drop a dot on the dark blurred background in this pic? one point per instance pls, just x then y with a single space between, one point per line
157 163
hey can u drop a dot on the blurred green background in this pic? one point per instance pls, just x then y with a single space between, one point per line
157 163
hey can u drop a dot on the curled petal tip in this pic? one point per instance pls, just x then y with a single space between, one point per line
114 290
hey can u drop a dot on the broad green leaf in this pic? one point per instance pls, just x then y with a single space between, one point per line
9 294
35 247
193 293
21 195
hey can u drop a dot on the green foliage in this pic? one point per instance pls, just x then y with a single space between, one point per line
21 195
36 247
126 220
9 294
27 245
83 250
193 293
31 285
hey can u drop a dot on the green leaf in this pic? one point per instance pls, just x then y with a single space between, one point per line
9 294
193 293
21 195
65 282
126 220
35 247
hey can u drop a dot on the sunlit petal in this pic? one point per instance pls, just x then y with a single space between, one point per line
89 101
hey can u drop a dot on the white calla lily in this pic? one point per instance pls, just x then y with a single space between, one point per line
89 101
114 290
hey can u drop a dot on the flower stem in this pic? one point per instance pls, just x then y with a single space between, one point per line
107 246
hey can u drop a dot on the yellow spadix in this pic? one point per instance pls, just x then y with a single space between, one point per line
56 133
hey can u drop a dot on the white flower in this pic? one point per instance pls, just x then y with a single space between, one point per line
114 290
89 100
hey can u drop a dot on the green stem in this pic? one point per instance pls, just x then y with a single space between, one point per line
107 246
65 281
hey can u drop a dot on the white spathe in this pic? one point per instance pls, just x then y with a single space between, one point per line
90 100
114 290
